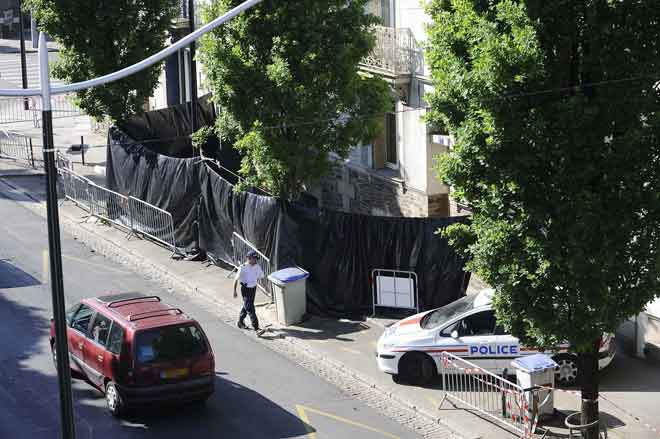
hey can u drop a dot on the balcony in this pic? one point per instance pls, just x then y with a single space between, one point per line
396 55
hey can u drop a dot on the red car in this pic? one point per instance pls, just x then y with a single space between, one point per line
138 351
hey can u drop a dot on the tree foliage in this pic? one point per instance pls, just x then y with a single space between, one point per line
99 37
285 77
554 106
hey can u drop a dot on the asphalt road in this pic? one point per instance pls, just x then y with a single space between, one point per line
259 393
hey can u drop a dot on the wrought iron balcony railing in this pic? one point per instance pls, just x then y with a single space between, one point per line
396 53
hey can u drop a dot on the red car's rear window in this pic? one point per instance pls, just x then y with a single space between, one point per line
169 343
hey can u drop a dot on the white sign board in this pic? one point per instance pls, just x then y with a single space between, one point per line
395 292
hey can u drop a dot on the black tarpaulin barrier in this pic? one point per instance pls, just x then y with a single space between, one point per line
167 131
168 183
340 250
223 212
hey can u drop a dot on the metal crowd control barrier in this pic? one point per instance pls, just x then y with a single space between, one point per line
110 206
62 162
129 213
12 110
76 189
241 248
394 289
62 106
16 147
491 395
152 222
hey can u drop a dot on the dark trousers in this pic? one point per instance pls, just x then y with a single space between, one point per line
248 305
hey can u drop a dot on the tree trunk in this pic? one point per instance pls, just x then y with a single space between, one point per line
589 386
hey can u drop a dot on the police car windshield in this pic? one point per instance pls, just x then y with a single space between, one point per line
447 312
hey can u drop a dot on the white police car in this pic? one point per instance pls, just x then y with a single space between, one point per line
467 328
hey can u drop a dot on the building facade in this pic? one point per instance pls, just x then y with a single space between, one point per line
393 175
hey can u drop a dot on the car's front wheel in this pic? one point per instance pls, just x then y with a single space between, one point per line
417 368
567 372
113 399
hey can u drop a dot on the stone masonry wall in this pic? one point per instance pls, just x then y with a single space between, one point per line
361 191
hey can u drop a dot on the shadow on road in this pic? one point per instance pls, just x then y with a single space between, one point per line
317 328
13 277
233 408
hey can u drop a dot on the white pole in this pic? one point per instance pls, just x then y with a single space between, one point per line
147 62
44 74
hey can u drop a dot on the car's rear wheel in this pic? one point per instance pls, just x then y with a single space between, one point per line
417 368
113 399
567 372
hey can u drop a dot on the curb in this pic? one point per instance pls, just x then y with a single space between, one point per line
84 233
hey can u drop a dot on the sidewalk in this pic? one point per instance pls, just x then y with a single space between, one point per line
346 343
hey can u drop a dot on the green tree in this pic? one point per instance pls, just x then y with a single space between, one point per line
99 37
285 77
554 106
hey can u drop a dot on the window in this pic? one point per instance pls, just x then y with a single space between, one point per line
391 157
116 339
100 329
70 312
169 343
383 10
386 13
481 323
447 312
81 318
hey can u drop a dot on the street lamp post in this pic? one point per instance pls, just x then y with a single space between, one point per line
55 249
21 37
193 71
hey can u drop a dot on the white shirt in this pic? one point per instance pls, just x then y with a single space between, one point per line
249 274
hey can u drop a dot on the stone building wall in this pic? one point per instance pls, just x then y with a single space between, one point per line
357 190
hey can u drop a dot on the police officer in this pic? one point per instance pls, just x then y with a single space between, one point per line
248 274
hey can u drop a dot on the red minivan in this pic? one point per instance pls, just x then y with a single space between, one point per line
138 351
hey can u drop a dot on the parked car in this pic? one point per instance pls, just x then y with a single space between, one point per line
466 328
138 350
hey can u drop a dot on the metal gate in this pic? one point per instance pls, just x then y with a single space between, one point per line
394 289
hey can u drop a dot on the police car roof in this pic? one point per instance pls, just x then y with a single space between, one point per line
485 297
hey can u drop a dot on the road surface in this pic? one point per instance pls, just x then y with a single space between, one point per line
259 394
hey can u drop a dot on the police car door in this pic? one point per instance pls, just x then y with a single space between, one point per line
476 332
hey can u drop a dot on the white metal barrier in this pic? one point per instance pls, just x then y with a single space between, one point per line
110 206
394 289
16 147
12 110
241 248
62 161
129 213
153 222
491 395
62 106
76 189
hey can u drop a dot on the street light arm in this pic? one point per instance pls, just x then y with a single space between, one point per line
147 62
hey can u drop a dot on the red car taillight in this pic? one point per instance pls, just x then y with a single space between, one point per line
204 366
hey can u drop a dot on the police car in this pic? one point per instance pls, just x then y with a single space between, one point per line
467 328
